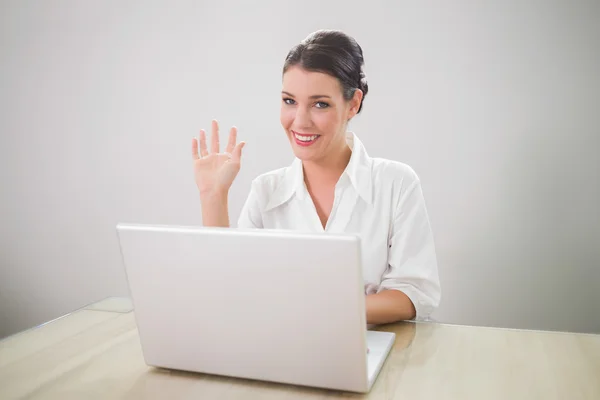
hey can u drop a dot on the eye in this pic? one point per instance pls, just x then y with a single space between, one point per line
321 104
289 101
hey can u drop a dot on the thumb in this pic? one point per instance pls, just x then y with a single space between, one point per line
237 151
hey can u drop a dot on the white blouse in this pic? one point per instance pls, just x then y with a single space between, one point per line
379 200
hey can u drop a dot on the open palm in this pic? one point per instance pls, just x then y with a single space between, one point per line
215 171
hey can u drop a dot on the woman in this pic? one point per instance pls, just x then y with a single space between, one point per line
333 185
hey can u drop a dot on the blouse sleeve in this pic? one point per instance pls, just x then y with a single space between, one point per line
412 259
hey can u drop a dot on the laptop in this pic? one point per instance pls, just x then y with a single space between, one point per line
266 305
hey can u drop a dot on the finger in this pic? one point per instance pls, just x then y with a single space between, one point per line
214 140
195 155
236 154
232 140
203 148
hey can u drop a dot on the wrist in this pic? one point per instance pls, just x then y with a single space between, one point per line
214 209
215 196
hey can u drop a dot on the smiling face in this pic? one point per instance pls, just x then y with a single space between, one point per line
314 113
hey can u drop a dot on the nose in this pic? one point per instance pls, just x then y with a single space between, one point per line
302 118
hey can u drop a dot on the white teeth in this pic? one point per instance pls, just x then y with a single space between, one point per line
305 138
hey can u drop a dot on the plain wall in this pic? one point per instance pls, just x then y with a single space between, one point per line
496 105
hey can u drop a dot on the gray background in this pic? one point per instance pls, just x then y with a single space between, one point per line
496 105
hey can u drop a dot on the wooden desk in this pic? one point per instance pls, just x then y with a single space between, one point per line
94 353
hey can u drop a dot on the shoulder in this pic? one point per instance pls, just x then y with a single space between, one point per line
395 173
269 183
397 185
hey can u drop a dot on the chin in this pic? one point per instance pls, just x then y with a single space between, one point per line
305 155
302 153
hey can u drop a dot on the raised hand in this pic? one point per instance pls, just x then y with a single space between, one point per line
214 171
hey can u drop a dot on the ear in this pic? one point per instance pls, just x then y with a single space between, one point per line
355 103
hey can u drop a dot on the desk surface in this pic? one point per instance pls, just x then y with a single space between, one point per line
95 353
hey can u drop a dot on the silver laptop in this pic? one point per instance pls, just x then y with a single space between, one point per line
266 305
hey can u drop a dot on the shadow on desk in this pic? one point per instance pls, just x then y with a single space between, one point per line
159 383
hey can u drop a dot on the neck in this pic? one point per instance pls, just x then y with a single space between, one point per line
329 169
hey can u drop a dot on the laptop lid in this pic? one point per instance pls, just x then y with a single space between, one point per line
269 305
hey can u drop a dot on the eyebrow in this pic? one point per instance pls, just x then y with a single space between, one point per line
316 96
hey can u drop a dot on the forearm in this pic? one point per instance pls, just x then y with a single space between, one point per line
389 306
215 210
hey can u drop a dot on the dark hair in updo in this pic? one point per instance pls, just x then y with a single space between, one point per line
334 53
